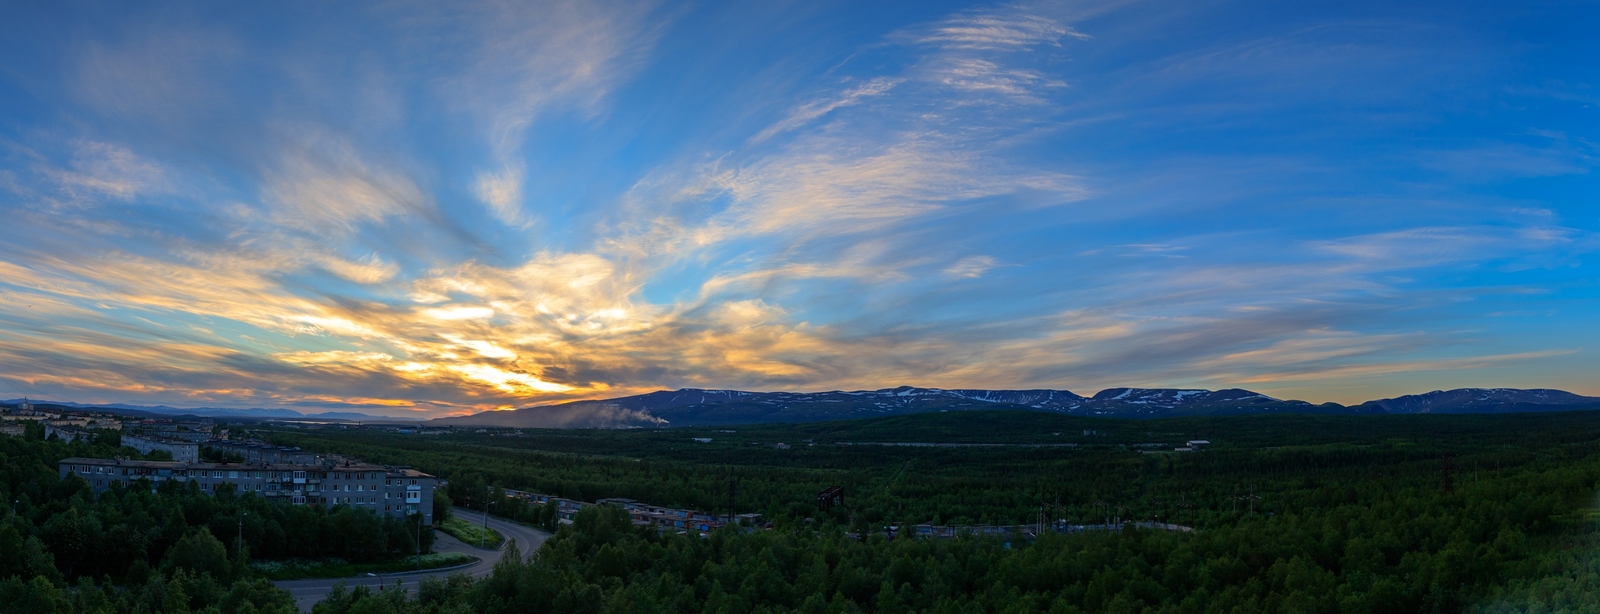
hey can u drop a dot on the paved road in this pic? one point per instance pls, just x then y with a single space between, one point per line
308 592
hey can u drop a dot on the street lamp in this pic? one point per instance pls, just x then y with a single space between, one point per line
241 534
488 490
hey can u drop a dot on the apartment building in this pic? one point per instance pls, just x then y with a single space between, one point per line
391 491
66 434
194 432
257 451
181 451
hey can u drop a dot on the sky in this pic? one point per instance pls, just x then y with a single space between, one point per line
428 209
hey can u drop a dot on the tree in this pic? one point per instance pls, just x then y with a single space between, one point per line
441 507
199 552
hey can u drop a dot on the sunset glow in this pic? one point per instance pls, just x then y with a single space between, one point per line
428 209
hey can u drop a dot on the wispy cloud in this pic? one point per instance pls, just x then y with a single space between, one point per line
806 113
995 29
442 208
324 186
971 266
106 169
530 60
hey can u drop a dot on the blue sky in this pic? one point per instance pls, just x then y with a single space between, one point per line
447 207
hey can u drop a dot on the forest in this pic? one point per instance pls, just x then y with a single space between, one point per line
1292 514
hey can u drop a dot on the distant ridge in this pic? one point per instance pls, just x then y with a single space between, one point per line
212 412
1484 401
708 407
701 407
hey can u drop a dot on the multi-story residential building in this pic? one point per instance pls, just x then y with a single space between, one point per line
256 451
66 434
71 421
391 491
196 432
181 451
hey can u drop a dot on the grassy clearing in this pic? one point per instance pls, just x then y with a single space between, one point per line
339 568
470 533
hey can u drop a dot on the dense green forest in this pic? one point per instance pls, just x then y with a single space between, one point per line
1294 513
171 548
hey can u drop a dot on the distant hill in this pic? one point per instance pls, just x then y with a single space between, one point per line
697 407
700 407
1484 401
163 411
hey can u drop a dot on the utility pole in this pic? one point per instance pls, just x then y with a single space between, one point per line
485 534
1252 498
241 534
419 540
733 492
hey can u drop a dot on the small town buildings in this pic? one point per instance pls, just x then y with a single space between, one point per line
256 451
66 434
191 431
667 518
391 491
77 421
181 451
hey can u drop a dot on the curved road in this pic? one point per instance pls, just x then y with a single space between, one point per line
308 592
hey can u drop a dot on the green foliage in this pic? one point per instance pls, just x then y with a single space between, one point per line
338 568
180 592
198 552
441 507
1295 514
171 548
472 534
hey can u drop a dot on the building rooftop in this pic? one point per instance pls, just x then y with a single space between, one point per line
356 466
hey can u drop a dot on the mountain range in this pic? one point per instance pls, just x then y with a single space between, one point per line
697 407
152 411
